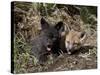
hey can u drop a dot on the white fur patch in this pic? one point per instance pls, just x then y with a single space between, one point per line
48 49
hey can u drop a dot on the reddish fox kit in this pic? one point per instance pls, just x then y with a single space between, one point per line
72 41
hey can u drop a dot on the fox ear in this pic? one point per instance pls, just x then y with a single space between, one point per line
44 24
59 25
82 36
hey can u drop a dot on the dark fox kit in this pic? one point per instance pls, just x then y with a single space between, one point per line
47 42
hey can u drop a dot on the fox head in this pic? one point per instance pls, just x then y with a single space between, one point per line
74 40
50 33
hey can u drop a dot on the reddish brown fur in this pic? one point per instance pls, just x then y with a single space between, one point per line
73 40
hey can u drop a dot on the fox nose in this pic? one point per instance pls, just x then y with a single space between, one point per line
68 51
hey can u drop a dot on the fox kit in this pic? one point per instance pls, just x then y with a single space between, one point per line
72 41
47 41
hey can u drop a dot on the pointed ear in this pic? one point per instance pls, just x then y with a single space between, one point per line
82 36
59 25
44 24
67 28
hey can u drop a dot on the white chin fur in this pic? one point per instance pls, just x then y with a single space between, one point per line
69 52
48 49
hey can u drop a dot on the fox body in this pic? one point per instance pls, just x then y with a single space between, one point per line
47 41
72 41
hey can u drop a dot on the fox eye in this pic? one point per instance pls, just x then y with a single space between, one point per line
54 37
51 36
68 42
76 43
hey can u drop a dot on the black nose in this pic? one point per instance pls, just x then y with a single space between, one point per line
68 51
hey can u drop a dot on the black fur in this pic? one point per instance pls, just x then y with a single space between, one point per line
49 37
